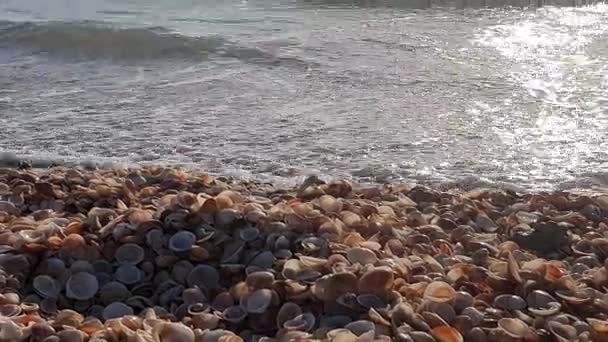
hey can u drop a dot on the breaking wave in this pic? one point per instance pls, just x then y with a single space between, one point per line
92 40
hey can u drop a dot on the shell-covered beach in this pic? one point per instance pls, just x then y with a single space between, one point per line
162 254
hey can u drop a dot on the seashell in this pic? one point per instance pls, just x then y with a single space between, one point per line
577 298
463 324
155 239
260 280
222 301
165 261
313 263
9 208
376 281
475 315
81 266
199 254
91 325
139 302
227 217
175 219
420 336
258 301
9 298
446 334
186 199
68 317
360 327
263 260
313 244
287 312
539 298
599 326
81 286
232 252
509 302
129 253
249 234
53 267
203 276
370 301
362 256
172 332
348 300
485 223
193 295
182 241
329 204
116 310
302 322
46 287
443 310
439 292
234 314
561 331
548 310
113 292
181 270
332 286
71 335
10 331
205 321
128 274
581 327
462 300
10 310
48 305
40 331
513 327
102 266
433 319
476 334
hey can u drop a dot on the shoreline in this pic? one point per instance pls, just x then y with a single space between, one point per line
588 183
168 255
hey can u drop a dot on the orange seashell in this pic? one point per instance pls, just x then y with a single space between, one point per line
209 206
206 180
198 253
376 281
54 242
445 248
294 202
353 239
223 202
447 334
553 272
73 228
91 326
28 319
73 242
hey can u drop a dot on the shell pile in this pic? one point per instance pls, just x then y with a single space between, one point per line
156 254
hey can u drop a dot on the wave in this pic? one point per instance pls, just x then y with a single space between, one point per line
92 40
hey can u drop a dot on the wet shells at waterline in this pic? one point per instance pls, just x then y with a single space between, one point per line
161 254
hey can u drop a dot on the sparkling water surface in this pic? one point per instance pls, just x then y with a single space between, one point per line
452 94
